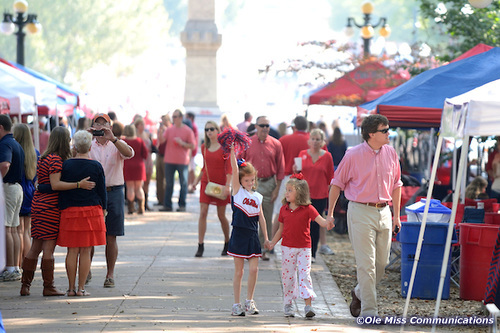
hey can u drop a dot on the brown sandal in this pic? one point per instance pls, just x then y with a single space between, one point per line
71 292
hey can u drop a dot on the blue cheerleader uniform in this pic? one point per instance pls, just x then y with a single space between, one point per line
244 242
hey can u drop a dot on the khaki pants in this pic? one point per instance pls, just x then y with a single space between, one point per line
266 188
13 201
370 234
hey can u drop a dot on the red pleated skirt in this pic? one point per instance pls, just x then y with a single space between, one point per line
82 227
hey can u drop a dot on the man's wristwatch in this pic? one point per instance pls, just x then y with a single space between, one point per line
114 141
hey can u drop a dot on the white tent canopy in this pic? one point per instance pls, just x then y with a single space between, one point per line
43 92
474 113
19 103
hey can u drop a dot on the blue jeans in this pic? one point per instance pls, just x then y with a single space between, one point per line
170 170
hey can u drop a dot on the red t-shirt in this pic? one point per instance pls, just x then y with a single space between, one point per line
318 175
296 225
292 145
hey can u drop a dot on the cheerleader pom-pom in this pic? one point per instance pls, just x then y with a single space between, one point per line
228 137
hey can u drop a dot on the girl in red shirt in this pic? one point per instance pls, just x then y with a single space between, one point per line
295 217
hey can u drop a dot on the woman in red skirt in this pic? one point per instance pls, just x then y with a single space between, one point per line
82 213
216 169
45 213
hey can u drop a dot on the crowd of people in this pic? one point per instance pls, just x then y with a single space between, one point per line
281 186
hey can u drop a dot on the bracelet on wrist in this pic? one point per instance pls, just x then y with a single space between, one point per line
77 184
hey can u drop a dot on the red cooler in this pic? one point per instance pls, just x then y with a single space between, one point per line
477 242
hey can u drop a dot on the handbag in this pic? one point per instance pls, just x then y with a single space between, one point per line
213 189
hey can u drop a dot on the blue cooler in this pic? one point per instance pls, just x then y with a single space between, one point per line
428 272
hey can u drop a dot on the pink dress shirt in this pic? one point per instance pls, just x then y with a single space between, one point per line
367 176
111 160
174 153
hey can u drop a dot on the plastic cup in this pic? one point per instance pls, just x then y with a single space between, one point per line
298 163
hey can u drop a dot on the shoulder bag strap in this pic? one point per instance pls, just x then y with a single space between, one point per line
205 163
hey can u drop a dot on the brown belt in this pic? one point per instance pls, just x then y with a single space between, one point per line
113 188
264 179
376 205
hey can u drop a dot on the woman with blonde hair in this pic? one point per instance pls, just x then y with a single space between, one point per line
216 169
22 134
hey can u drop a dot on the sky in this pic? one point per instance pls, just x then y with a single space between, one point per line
267 30
264 31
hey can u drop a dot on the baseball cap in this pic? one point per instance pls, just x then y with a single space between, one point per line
102 115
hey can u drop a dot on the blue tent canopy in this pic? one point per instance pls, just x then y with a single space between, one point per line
419 101
44 77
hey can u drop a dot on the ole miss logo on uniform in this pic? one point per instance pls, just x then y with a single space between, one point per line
250 202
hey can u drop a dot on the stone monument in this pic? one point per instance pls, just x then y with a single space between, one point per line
201 40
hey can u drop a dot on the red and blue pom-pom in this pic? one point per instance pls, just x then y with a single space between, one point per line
228 137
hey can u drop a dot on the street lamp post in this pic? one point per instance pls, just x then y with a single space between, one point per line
367 29
21 20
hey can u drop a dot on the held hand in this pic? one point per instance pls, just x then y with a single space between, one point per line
86 184
268 245
331 222
227 190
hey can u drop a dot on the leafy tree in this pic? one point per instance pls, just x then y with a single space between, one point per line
77 35
467 26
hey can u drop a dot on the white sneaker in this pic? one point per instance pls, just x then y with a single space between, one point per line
250 307
237 310
288 310
12 276
325 249
308 310
4 274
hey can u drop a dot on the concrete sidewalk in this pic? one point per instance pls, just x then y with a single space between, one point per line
161 286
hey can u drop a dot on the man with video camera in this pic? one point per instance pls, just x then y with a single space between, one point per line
110 151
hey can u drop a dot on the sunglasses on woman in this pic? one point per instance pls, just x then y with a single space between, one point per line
211 129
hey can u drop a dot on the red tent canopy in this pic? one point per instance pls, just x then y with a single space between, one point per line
479 48
367 82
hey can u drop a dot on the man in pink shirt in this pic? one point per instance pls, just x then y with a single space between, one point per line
370 176
111 152
243 126
180 140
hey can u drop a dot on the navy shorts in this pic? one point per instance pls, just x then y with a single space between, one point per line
115 220
244 243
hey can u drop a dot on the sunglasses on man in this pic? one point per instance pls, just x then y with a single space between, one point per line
383 131
263 125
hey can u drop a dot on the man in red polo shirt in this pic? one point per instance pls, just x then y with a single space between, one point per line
266 155
292 145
